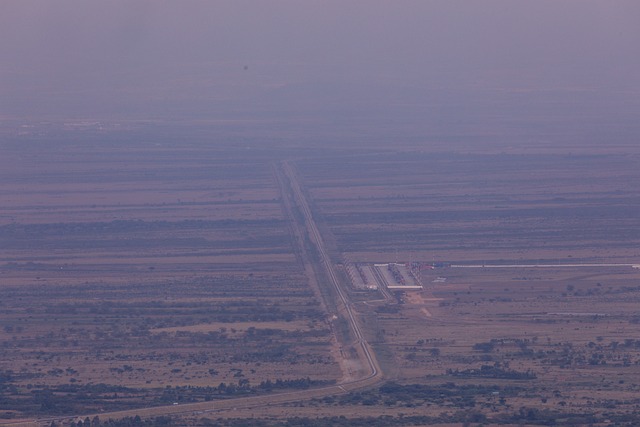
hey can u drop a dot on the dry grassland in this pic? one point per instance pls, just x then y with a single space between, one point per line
137 276
128 275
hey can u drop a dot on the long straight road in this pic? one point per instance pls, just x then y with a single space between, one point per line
365 352
577 265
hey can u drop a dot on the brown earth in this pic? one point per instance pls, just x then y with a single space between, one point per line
151 269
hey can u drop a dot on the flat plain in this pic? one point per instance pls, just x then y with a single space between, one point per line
146 273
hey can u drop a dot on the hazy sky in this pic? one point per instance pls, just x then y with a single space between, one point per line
75 58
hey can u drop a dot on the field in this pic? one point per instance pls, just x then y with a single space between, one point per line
143 274
128 274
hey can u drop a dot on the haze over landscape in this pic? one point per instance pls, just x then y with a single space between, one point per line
359 213
332 60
